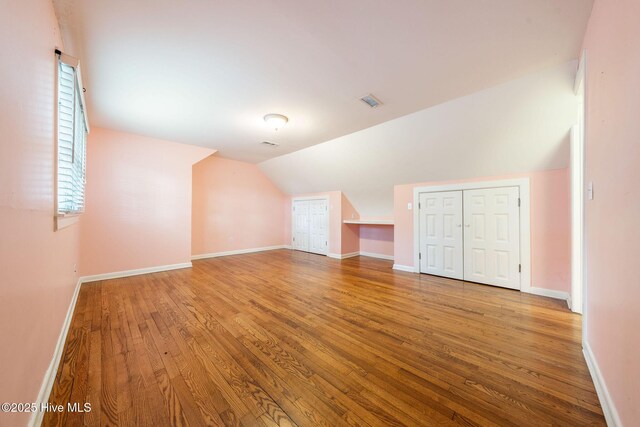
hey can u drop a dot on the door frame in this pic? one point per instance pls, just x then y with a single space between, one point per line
576 167
525 220
579 280
308 199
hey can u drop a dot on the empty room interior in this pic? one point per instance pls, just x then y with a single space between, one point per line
320 213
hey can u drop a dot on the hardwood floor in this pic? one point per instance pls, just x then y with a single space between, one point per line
289 338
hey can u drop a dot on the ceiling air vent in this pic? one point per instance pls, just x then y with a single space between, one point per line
371 101
269 144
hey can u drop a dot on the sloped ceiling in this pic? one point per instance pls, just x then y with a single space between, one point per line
206 72
519 126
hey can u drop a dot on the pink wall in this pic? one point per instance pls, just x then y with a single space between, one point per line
377 239
286 207
335 222
551 230
138 199
550 226
349 233
37 276
235 206
612 231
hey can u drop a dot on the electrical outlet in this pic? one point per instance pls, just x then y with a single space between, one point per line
590 190
409 206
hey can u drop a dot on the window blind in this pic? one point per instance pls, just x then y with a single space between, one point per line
71 142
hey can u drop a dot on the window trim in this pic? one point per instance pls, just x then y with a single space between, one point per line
62 219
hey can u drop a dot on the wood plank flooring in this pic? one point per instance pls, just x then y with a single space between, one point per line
288 338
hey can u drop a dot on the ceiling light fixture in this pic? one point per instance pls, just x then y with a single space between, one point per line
276 121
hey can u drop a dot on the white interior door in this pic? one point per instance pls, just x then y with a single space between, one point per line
441 245
301 225
310 226
318 230
492 236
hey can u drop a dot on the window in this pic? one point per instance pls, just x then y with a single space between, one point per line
72 139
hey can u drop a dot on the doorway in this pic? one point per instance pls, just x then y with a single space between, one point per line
310 225
471 235
477 231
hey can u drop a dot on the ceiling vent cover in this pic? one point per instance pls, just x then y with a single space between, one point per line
371 101
269 144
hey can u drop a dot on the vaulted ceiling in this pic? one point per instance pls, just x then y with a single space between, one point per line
206 72
516 127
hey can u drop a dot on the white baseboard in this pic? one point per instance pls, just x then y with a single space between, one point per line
50 374
374 255
239 252
350 255
531 290
546 293
343 256
609 409
355 254
407 268
52 370
137 272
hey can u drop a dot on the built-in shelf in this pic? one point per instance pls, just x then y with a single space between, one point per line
369 222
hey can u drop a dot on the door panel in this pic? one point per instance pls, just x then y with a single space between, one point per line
479 266
318 226
301 225
492 236
441 246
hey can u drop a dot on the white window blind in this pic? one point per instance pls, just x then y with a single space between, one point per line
72 139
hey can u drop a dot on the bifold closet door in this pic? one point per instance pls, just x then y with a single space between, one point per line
301 225
318 230
492 236
441 245
311 226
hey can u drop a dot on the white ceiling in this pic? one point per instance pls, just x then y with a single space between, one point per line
205 72
517 127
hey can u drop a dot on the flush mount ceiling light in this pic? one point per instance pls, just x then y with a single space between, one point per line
276 121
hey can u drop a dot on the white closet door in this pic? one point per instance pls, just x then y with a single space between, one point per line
301 225
441 246
318 230
492 236
311 226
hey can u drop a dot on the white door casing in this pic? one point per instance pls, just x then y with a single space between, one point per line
492 236
577 219
577 167
441 243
